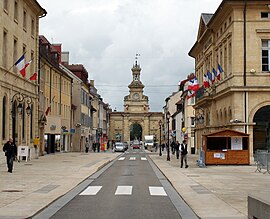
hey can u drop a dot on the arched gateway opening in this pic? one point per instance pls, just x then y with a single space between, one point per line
261 131
135 132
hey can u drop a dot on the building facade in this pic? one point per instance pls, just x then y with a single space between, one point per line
236 37
136 121
19 25
55 97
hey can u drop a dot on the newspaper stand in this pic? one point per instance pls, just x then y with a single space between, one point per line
226 147
24 151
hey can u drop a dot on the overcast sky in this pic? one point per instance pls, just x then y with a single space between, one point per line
105 35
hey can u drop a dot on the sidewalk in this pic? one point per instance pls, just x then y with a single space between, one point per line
35 184
214 191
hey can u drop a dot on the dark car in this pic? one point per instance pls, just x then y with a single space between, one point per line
119 147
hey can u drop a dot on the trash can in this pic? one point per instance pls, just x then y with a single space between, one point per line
193 150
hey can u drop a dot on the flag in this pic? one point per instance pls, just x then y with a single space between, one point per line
191 93
181 84
196 85
214 75
190 84
33 77
219 71
209 76
205 81
20 64
48 110
28 63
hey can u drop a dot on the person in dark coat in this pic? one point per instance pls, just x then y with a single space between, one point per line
10 150
87 145
177 148
94 146
98 147
184 152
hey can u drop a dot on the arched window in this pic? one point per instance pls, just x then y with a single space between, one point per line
4 118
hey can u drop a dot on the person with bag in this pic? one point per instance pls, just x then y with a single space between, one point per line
10 150
177 148
184 153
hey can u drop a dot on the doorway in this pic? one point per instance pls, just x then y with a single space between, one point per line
261 131
135 132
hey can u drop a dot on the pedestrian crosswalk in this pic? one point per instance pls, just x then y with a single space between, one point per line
124 190
131 158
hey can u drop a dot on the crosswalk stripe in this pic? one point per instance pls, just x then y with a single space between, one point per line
143 158
157 191
91 190
132 158
123 190
121 158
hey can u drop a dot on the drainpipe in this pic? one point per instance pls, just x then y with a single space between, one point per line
245 64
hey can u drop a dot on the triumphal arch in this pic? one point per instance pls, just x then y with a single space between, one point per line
136 120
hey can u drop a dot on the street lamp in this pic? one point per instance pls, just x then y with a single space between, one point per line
168 115
160 123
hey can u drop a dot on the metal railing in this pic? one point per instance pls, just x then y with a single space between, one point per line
262 161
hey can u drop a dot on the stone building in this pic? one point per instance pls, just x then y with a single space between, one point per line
237 37
55 93
136 121
19 26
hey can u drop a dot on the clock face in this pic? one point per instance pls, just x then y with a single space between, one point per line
136 96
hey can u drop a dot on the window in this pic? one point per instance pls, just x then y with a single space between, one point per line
265 55
4 50
15 52
32 27
6 5
32 66
265 14
24 20
4 118
16 11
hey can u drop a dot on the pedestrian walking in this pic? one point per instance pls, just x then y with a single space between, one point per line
98 147
10 150
163 146
184 153
87 145
94 146
173 147
177 148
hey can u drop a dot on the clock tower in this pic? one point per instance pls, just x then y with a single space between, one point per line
136 101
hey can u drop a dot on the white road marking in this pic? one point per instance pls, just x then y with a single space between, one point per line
143 158
158 191
121 158
123 190
91 190
132 158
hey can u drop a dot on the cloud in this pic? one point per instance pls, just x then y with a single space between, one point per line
105 35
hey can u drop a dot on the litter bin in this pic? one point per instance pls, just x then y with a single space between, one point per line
193 150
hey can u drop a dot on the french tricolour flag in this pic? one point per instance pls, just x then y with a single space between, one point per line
209 76
219 71
205 81
214 75
21 65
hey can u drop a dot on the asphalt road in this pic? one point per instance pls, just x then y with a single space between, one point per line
130 187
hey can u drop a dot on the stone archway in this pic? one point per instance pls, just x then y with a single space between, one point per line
261 131
135 132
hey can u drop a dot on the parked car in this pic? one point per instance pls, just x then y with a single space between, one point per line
119 147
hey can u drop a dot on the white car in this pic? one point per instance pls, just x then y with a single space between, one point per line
119 147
